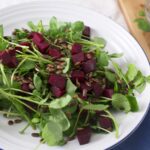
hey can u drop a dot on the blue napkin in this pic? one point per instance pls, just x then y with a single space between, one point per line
140 139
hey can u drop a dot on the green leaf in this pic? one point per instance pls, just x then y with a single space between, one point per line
53 25
26 66
60 102
132 72
133 103
116 55
120 101
99 41
60 118
110 76
140 88
116 88
3 44
1 31
143 24
95 107
70 87
37 82
77 26
40 27
32 26
139 79
52 133
148 79
102 58
67 67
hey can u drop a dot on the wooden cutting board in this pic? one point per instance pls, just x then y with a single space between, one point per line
130 9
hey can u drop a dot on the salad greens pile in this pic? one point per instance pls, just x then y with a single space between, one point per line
58 79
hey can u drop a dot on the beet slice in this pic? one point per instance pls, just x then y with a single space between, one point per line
84 135
97 89
57 92
87 31
108 93
78 58
77 75
25 87
55 53
37 37
9 59
43 47
106 123
57 80
84 86
76 48
89 66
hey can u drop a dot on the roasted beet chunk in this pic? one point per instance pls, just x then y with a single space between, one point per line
89 66
58 81
85 86
43 47
55 53
108 93
106 123
37 37
77 75
84 135
87 31
57 92
97 89
25 87
78 58
8 58
76 48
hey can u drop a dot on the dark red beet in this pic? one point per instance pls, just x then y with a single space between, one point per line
89 66
8 58
84 97
37 37
84 86
76 48
87 31
55 53
25 87
97 89
57 92
57 80
25 44
106 123
77 75
77 58
43 47
84 135
108 93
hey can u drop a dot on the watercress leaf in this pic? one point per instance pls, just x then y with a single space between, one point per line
53 25
133 103
70 87
77 26
100 41
60 102
26 66
120 101
67 67
116 55
139 79
32 26
120 73
143 24
59 117
37 82
52 133
141 13
132 72
103 59
3 44
116 88
95 107
110 76
1 31
40 27
140 88
148 79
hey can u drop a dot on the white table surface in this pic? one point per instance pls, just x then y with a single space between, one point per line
108 8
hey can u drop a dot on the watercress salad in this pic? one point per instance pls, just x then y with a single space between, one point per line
58 79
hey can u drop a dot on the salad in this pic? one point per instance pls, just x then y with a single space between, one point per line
58 79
